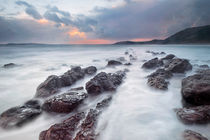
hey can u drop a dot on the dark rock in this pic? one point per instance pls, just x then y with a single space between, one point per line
196 88
18 116
168 57
194 115
204 66
104 103
122 59
178 65
53 83
162 53
64 103
131 57
128 64
113 63
104 82
64 130
90 70
9 65
153 63
191 135
126 53
158 82
161 73
77 89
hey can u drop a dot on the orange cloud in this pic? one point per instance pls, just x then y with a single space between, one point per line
76 33
142 39
43 21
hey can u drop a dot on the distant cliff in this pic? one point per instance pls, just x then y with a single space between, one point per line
194 35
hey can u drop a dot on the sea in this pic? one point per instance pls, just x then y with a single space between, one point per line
137 111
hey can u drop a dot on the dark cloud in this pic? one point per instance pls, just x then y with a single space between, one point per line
21 31
58 16
30 9
150 20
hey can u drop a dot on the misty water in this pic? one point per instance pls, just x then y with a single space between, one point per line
136 111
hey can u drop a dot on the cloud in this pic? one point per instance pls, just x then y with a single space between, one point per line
30 9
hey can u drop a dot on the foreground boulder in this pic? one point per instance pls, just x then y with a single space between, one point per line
191 135
178 65
64 130
194 115
196 88
153 63
158 79
114 63
104 82
18 116
77 127
9 65
53 83
64 103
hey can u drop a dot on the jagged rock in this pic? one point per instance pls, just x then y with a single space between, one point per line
9 65
191 135
158 82
178 65
161 73
53 83
64 103
114 63
168 57
104 82
194 115
64 130
153 63
18 116
196 88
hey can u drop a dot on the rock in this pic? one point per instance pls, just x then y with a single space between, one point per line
63 131
161 73
126 53
153 63
104 82
122 59
90 70
178 65
191 135
158 82
9 65
132 58
194 115
168 57
64 103
204 66
162 53
113 63
53 83
18 116
88 126
128 64
77 89
196 88
155 53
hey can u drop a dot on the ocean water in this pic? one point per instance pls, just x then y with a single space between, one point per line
136 111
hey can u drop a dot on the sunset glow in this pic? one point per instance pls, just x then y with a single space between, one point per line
76 33
43 21
92 41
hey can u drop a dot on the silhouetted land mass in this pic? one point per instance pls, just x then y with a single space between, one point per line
194 35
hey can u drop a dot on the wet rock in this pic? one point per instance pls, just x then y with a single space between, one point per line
168 57
132 57
194 115
90 70
64 130
64 103
178 65
126 53
191 135
113 63
204 66
161 73
88 126
155 53
153 63
128 64
196 88
158 82
18 116
104 82
77 89
53 83
9 65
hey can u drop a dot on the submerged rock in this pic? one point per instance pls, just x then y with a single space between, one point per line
178 65
153 63
196 88
9 65
161 73
18 116
114 63
64 103
104 82
194 115
53 83
158 82
191 135
64 130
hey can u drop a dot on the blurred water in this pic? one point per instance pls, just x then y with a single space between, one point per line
136 112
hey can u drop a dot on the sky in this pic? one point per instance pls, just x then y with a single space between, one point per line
97 21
